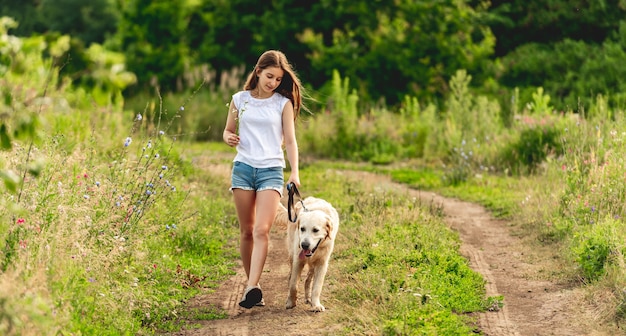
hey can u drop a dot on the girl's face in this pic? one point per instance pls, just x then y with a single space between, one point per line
269 80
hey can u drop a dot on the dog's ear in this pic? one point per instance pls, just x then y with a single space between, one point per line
329 226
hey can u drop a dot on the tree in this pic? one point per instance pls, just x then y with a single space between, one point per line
573 49
90 21
389 48
152 35
518 22
394 48
25 13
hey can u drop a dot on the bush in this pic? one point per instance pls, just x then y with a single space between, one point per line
534 144
598 246
572 72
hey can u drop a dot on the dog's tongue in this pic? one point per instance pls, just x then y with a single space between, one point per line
304 253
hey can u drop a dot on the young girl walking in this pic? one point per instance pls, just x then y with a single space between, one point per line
260 120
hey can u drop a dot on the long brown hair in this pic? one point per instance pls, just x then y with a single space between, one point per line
289 86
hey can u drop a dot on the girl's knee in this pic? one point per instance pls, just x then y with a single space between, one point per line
247 235
261 235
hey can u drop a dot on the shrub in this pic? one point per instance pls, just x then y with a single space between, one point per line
92 204
597 246
533 145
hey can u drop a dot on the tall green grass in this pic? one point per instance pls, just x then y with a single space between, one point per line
396 267
591 211
560 173
560 176
104 228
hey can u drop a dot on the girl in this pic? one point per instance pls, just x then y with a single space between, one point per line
261 118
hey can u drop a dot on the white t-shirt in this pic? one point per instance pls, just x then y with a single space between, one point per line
260 130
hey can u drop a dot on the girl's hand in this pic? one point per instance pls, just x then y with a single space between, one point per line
232 140
295 180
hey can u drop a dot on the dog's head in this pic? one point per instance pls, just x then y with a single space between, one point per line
313 228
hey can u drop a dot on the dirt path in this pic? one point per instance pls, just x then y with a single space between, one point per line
532 305
273 319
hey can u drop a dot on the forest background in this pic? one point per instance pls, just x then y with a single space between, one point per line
97 97
388 48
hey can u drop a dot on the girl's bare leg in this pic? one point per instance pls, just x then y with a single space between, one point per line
266 208
244 202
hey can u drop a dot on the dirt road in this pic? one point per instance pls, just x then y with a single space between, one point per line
532 304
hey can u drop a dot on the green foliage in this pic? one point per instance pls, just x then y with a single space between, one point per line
176 44
32 84
593 170
417 178
425 320
470 124
470 117
397 258
230 34
94 203
597 246
519 22
151 34
5 140
69 249
415 127
582 205
24 11
125 255
108 76
24 69
537 140
374 43
569 71
390 48
375 137
341 141
89 21
469 137
344 103
540 104
206 112
570 48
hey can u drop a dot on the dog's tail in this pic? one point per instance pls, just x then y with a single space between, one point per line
282 218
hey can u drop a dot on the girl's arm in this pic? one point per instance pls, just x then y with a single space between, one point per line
230 136
291 145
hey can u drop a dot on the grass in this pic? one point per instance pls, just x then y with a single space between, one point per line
106 228
106 268
113 233
397 269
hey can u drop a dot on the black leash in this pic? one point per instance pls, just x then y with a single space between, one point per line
291 188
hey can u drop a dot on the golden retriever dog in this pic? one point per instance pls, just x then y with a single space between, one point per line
310 241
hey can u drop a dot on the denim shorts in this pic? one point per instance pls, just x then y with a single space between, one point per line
246 177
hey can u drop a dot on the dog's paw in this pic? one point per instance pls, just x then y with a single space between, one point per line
317 308
290 304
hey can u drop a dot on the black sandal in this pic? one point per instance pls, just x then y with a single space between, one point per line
251 297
